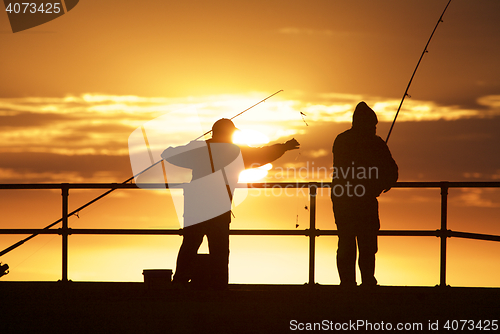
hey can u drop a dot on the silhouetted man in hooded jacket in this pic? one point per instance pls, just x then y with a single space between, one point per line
216 164
363 169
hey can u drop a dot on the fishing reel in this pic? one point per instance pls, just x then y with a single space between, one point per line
4 269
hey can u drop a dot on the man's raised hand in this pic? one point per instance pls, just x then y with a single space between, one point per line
292 144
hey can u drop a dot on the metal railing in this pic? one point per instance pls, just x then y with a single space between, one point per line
312 232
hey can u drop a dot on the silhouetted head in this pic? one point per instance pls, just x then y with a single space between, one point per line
364 117
223 130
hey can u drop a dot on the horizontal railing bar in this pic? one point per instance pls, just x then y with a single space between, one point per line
305 232
318 232
269 232
146 231
126 231
147 185
449 184
29 231
475 236
86 186
92 231
179 231
412 184
409 233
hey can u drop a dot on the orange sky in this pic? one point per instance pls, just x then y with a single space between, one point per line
74 89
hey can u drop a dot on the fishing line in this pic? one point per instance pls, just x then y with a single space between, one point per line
297 205
36 251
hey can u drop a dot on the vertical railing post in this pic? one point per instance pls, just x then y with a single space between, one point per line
313 186
443 232
64 231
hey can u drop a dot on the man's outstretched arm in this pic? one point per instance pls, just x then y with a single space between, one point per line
257 156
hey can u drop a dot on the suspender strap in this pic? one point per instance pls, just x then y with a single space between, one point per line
211 159
223 174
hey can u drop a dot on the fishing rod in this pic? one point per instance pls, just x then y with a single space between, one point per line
414 71
72 213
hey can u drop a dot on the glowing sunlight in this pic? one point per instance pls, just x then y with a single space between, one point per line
254 174
250 137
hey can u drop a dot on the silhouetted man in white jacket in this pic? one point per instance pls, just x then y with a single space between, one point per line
216 164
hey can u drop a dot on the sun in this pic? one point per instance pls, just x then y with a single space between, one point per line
249 137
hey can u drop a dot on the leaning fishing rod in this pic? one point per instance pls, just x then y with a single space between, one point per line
414 71
72 213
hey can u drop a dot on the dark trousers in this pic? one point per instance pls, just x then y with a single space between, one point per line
358 224
346 257
217 232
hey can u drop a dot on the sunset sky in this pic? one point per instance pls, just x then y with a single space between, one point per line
74 89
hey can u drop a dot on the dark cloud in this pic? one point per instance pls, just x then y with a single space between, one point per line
29 119
105 128
83 134
425 151
428 151
85 166
446 150
63 141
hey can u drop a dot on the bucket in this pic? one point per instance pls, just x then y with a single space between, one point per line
157 278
